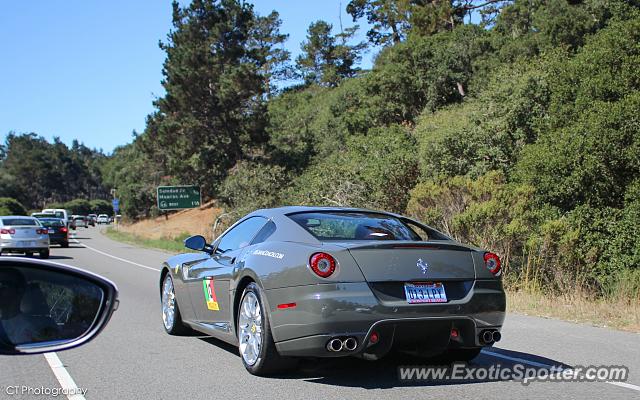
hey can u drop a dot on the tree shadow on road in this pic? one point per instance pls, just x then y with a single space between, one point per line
218 343
56 257
385 373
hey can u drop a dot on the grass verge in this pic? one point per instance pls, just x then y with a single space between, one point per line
171 245
619 314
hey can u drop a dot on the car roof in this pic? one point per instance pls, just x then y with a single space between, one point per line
270 212
17 216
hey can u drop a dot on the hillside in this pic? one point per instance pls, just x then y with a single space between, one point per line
197 221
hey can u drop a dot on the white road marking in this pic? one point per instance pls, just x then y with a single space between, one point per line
66 381
114 257
547 366
625 385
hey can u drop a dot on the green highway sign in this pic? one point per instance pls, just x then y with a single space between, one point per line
178 197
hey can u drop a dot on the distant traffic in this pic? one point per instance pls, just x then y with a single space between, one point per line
28 235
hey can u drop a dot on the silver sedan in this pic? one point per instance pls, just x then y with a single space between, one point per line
25 235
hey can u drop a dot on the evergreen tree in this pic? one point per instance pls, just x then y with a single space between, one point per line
327 58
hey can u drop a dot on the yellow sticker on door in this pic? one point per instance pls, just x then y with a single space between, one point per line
210 294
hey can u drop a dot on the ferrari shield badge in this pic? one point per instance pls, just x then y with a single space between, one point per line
422 265
210 294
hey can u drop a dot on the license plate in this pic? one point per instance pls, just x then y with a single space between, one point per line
52 231
425 293
23 243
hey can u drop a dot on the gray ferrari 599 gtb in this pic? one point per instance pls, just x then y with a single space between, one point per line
332 282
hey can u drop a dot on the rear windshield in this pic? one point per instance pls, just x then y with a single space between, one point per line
43 215
51 222
19 221
354 226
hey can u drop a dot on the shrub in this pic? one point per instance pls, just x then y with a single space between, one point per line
9 206
252 185
375 170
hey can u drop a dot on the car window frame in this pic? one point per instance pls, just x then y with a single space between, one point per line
216 244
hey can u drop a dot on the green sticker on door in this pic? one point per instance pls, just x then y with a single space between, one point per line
210 294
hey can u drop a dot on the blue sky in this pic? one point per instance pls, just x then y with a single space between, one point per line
89 70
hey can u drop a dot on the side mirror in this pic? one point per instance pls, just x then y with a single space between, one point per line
46 306
196 242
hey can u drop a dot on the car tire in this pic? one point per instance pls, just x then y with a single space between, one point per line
267 361
44 254
172 325
64 244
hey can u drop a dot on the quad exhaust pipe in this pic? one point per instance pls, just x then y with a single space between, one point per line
348 344
490 336
334 345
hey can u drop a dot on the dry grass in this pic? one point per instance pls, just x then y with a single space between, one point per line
618 314
197 221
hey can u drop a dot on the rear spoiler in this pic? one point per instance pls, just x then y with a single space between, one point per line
432 245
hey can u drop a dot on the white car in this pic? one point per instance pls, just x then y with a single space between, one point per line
26 235
81 221
103 219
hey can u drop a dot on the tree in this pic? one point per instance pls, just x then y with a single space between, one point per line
9 206
101 207
384 16
326 59
135 177
220 55
268 43
35 171
393 20
79 206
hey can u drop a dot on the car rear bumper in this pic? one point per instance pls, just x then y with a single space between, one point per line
58 239
342 310
23 245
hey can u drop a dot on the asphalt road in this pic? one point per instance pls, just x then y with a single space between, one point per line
133 358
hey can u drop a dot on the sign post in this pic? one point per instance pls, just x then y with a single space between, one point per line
115 203
178 197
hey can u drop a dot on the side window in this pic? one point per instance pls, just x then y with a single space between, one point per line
264 233
241 235
424 232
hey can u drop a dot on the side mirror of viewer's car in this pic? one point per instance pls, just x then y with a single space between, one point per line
46 306
197 242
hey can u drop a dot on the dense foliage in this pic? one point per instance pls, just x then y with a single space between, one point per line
38 173
519 133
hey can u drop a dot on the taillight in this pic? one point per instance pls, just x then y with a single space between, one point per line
63 230
7 231
492 262
43 231
323 264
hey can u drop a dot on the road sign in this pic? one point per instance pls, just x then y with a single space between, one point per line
116 205
178 197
